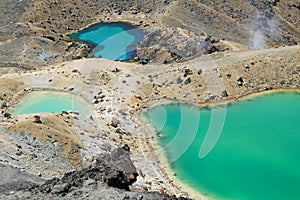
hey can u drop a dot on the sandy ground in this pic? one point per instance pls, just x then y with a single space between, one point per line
120 95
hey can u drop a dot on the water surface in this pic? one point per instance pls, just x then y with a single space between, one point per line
114 41
257 156
50 102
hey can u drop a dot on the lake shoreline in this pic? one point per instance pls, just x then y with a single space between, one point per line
37 97
163 157
137 87
212 104
98 37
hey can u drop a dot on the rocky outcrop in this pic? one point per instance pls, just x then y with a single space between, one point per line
121 172
108 178
166 45
115 169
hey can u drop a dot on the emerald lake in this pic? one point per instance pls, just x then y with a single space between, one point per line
113 41
51 102
256 157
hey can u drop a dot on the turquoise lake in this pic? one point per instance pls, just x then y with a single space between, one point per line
113 41
256 157
50 102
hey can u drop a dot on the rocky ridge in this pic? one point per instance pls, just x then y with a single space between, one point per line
168 45
109 177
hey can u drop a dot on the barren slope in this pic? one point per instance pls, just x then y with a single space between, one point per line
35 36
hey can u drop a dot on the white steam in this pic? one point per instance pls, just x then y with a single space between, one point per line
258 41
261 27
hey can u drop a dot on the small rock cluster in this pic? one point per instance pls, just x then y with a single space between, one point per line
99 97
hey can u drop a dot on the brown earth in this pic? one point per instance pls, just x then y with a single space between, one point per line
54 129
34 33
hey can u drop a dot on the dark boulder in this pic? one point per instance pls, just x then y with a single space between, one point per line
49 37
187 81
7 115
115 122
4 105
224 93
37 119
179 80
120 171
200 71
240 81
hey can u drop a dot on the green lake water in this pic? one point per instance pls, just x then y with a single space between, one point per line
50 102
257 156
113 41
